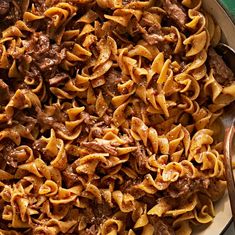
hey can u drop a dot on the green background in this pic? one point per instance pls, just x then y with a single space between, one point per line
229 6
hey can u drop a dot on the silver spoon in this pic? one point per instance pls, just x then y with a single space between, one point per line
228 55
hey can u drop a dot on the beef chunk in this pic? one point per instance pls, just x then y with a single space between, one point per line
42 44
6 150
28 121
222 73
129 187
152 39
97 132
160 227
113 78
141 159
88 119
39 145
126 2
175 12
69 176
4 7
4 92
51 59
102 211
89 231
100 145
45 56
48 122
185 186
216 189
58 79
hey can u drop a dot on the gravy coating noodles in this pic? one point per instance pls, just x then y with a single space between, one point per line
109 112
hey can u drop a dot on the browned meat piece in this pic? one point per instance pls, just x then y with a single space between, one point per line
100 145
4 92
141 159
51 59
89 231
107 119
27 121
148 23
41 5
125 2
129 187
101 211
175 12
59 115
9 14
4 7
48 122
41 44
69 176
113 78
7 148
222 73
184 186
88 119
160 227
216 189
45 56
152 39
58 79
33 74
39 145
96 132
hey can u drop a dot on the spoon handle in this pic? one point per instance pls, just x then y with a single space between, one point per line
228 141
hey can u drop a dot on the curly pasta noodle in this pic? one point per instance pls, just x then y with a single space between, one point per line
107 115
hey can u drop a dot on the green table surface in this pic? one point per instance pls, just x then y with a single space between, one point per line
229 5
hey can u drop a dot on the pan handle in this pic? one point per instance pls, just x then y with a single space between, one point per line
228 142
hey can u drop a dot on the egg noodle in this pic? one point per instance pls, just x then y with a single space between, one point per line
108 115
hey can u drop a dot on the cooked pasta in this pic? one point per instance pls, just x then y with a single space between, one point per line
107 117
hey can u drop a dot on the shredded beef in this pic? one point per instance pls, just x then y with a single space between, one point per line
222 73
44 55
175 12
4 92
51 59
34 72
58 79
125 2
160 227
129 187
152 39
41 44
141 159
48 122
69 176
216 189
39 145
100 145
90 231
88 119
113 78
185 186
7 153
96 132
27 121
148 23
102 211
4 7
9 14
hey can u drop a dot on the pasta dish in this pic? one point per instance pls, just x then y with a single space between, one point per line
109 117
